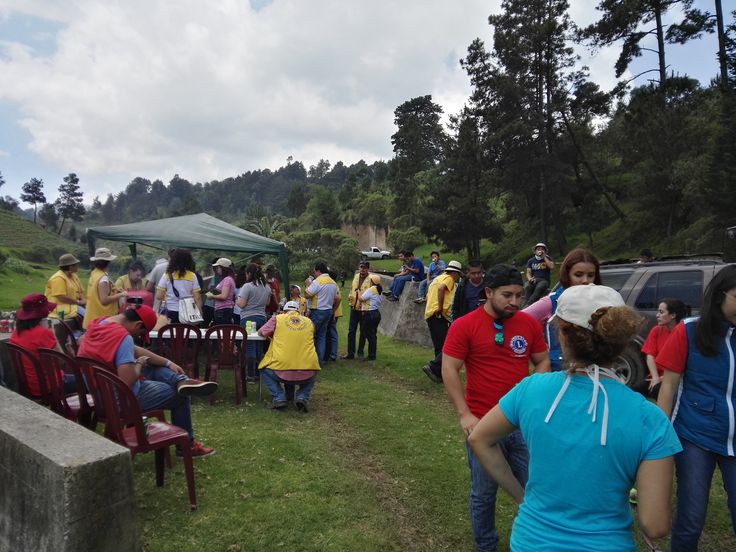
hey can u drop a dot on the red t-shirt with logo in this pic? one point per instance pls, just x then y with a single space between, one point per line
491 369
658 336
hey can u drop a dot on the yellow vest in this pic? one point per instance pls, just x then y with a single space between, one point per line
356 292
323 280
292 346
73 288
433 296
338 310
95 309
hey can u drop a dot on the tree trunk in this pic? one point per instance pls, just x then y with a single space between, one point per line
721 45
35 206
63 220
660 44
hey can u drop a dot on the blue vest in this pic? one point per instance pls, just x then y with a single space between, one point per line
550 334
704 411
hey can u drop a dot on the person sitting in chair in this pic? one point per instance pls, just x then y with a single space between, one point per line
291 359
538 272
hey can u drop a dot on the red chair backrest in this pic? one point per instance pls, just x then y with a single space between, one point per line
176 342
121 406
228 354
86 367
23 360
68 340
61 362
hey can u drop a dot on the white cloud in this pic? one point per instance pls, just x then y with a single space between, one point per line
212 89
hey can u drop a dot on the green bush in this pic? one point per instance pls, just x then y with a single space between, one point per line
411 238
18 266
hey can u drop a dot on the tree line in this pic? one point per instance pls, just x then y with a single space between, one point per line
539 152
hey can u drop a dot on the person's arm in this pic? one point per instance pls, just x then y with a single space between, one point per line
653 373
222 296
654 487
65 299
197 299
549 263
105 295
268 328
484 441
440 299
451 367
336 302
157 361
669 384
541 362
529 276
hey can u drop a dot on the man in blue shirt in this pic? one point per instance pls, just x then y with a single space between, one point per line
413 269
538 274
436 266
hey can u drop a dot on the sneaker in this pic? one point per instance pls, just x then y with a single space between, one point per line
387 293
302 405
347 357
392 298
198 450
427 369
278 405
196 388
420 300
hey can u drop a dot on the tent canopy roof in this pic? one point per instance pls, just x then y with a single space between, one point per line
200 231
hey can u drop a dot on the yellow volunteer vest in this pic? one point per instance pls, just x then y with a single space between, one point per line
356 292
302 306
433 296
72 288
292 346
322 280
95 309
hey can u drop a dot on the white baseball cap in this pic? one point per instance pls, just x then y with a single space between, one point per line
224 262
291 306
578 303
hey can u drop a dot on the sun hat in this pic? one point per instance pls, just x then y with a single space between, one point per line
67 259
502 275
376 278
454 266
103 254
223 261
540 244
291 306
365 264
297 287
33 307
577 304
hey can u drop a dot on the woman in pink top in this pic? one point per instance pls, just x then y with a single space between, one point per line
224 294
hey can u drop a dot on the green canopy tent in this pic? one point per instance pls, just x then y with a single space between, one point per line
200 231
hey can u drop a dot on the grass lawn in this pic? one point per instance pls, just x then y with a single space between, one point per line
377 464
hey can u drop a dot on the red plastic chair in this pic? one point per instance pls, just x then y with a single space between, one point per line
124 425
225 351
65 336
180 344
17 354
79 407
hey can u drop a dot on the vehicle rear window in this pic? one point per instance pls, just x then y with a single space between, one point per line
615 280
686 285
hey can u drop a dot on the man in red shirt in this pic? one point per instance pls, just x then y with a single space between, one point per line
496 343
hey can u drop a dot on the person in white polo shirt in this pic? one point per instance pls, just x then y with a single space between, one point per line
322 291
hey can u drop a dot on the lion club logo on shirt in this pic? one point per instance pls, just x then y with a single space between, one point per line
518 344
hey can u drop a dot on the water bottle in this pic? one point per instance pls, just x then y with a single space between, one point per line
249 327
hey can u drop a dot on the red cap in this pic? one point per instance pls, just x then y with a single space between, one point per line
147 316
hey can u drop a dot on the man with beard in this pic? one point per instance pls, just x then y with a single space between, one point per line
496 343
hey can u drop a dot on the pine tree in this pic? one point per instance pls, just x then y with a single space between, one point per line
33 194
69 203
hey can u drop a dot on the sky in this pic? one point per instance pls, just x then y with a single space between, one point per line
118 89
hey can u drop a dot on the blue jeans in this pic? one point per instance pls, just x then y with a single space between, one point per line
483 490
423 285
321 320
158 392
252 348
694 468
397 286
70 384
331 340
275 386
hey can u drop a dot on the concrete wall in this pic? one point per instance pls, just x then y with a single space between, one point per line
367 236
404 319
62 487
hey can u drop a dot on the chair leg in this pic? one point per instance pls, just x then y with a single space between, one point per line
159 455
212 377
189 470
238 374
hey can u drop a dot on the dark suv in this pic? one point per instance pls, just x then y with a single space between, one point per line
643 285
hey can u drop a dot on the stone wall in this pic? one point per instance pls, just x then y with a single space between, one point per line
62 487
367 236
404 319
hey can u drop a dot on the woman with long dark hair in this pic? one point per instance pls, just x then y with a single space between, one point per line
179 282
224 294
589 436
669 313
699 361
580 267
252 300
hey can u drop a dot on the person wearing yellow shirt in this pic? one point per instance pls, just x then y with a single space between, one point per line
134 280
291 358
372 299
361 282
102 297
295 294
65 289
437 312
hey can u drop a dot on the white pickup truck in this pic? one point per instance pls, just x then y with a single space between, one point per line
375 253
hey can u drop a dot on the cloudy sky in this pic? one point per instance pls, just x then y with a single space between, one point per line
117 89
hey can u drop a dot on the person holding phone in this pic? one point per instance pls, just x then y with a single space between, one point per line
538 274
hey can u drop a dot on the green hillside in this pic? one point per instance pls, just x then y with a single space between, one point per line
24 240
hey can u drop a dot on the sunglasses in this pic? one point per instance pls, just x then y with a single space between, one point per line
498 336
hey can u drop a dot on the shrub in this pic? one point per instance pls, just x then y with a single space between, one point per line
18 266
411 238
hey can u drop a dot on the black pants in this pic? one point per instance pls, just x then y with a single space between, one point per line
222 316
369 330
208 313
355 317
438 327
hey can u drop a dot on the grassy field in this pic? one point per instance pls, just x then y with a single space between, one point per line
377 464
